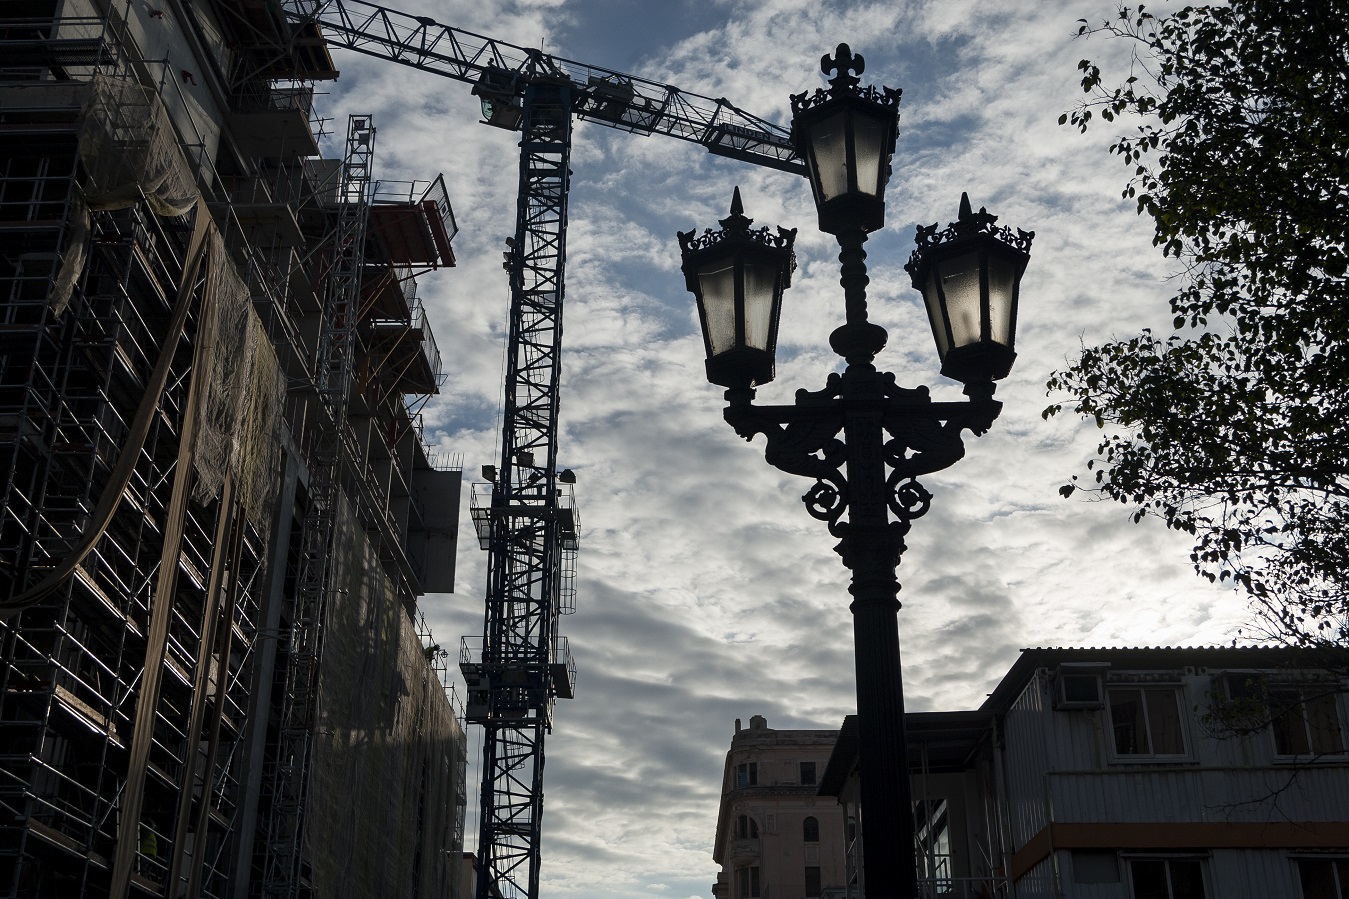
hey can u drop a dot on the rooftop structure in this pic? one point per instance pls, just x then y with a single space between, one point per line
1180 773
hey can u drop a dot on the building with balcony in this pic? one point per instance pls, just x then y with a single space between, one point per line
217 506
1167 773
777 838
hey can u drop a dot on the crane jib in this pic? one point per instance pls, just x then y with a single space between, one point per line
626 102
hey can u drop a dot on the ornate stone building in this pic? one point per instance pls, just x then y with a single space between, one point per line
775 836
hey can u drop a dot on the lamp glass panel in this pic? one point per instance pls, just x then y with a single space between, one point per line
867 135
960 282
829 141
1001 290
760 285
717 280
934 313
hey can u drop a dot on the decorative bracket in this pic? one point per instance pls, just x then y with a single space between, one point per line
810 438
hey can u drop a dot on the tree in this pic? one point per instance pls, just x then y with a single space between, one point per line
1235 428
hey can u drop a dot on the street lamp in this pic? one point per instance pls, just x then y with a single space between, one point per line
738 276
969 275
970 278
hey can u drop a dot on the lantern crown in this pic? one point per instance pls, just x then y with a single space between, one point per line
736 227
967 225
846 66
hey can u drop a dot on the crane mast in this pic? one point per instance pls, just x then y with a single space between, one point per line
513 680
526 519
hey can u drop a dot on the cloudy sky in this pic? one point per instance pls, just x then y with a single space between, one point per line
705 591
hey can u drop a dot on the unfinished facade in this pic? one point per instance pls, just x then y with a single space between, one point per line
217 508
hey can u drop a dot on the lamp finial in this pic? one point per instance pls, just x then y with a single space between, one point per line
737 221
847 66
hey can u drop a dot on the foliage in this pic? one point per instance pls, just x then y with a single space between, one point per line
1235 428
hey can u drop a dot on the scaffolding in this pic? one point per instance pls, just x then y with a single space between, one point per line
290 765
78 680
185 428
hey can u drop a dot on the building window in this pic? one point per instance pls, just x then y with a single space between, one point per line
1305 723
1095 866
747 774
1079 686
1147 721
746 828
1167 878
747 882
1324 878
810 830
812 881
807 774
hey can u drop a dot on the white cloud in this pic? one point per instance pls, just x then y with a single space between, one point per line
705 591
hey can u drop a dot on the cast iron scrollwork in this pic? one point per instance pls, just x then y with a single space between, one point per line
807 439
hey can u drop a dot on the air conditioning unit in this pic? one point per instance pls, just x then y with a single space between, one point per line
1079 685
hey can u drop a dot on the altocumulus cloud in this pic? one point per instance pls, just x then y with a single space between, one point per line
705 591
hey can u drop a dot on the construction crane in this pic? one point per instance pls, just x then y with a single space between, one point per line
526 520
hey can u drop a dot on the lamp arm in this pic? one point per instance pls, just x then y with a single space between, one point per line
927 437
803 439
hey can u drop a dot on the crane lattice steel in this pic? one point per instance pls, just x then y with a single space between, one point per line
528 524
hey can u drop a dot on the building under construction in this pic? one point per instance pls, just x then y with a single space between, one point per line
217 508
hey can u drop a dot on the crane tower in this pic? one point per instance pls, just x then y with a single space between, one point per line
525 516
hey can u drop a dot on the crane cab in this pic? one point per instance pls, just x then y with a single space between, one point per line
499 93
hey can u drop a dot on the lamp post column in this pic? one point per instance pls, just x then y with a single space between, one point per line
871 546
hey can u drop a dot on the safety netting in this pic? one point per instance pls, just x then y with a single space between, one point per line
386 776
240 416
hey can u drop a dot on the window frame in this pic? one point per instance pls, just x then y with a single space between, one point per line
818 884
1294 705
1177 693
747 885
1339 870
746 775
1266 702
1127 861
746 827
805 829
801 768
1078 672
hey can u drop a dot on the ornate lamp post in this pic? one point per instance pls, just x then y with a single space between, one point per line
863 439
